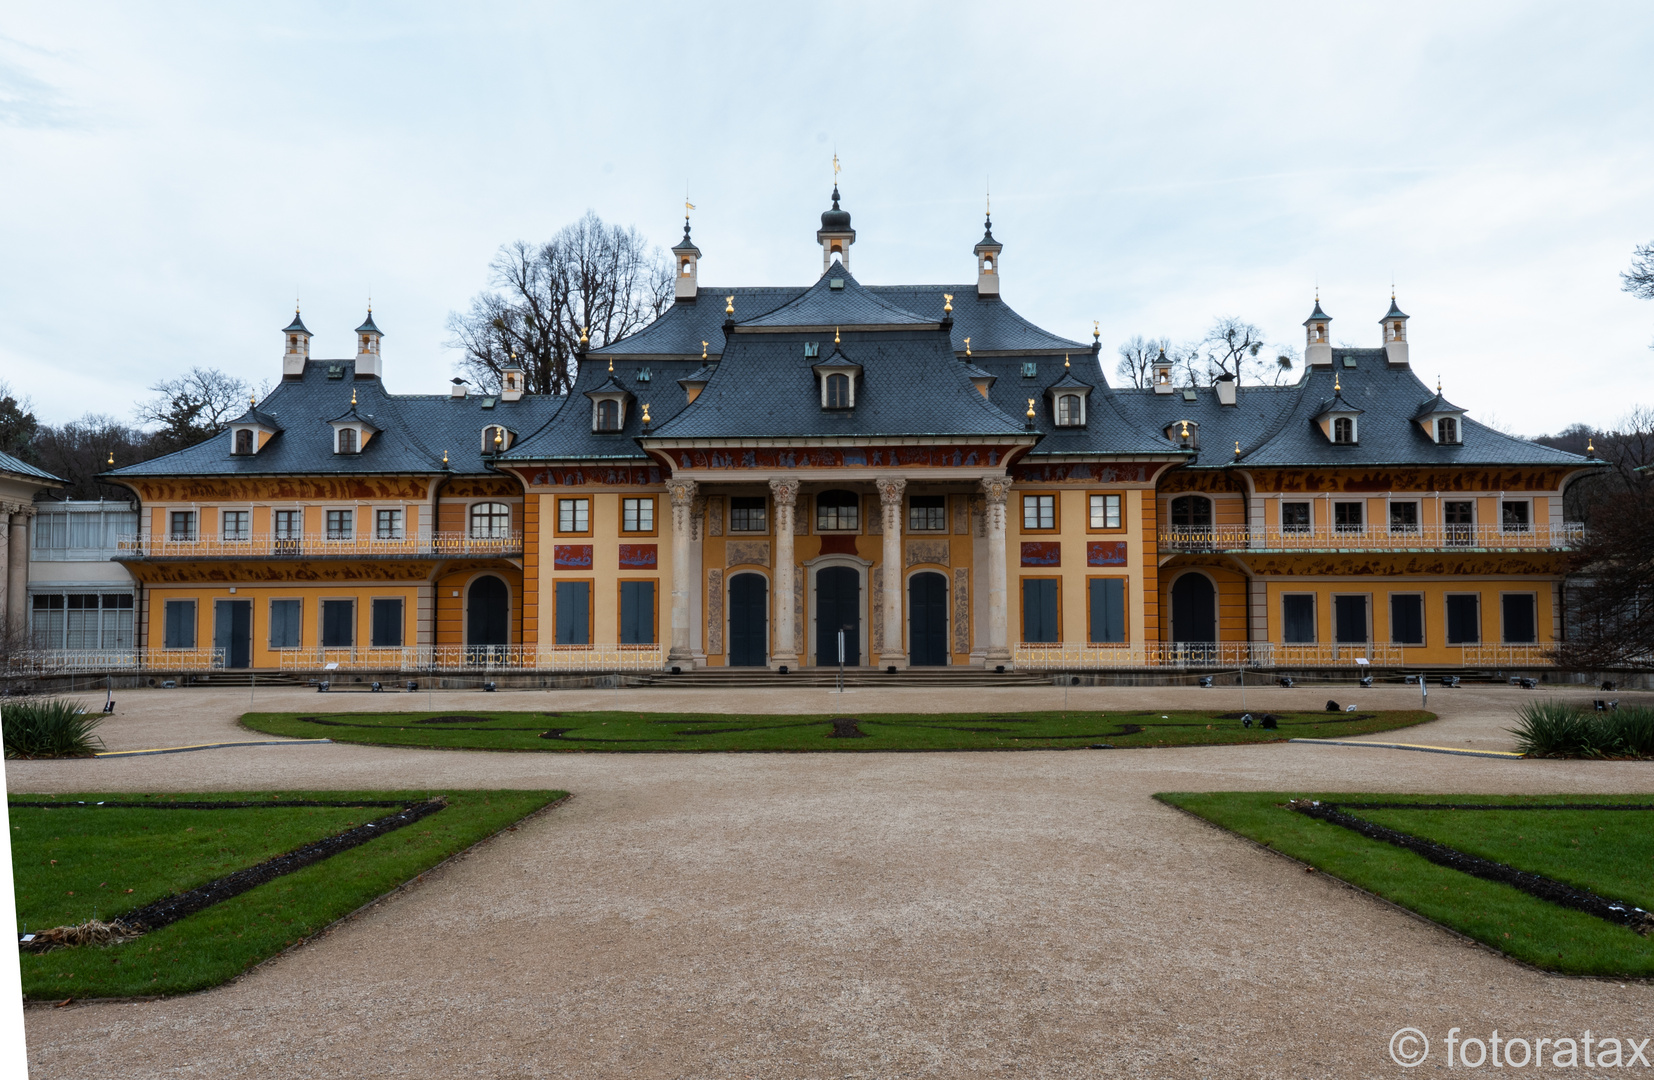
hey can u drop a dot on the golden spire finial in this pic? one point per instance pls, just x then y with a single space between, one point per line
988 197
111 459
611 365
1185 429
499 438
947 303
835 335
835 168
646 420
1030 410
252 400
1065 361
445 459
1438 385
1337 389
729 304
703 350
353 396
1237 448
1096 330
967 346
1590 448
687 206
584 339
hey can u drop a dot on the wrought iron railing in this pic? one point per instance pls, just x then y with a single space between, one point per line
42 662
1557 537
1503 656
480 658
421 545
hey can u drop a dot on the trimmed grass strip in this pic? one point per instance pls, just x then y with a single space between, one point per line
692 732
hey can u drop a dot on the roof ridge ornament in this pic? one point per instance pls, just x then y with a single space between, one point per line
967 346
835 335
729 304
703 350
947 303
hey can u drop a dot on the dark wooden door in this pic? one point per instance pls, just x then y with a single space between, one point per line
488 612
838 607
749 620
1350 617
1194 610
927 620
233 631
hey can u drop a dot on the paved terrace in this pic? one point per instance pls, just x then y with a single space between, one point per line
952 915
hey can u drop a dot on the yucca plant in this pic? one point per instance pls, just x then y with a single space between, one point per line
49 729
1561 729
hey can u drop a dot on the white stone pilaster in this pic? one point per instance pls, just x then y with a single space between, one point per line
997 490
890 603
783 640
682 493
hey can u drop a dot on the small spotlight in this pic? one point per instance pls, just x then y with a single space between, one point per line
1286 681
376 688
1246 720
323 687
1367 681
412 686
489 687
784 669
1450 680
1205 680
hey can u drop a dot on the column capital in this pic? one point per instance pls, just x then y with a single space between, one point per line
890 490
682 491
997 488
785 491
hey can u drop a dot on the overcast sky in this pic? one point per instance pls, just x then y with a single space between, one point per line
173 174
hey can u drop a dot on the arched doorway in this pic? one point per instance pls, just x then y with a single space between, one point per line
838 607
749 620
487 612
927 620
1194 610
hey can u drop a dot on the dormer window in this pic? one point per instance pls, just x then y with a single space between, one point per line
348 441
1070 410
243 441
1447 430
1343 429
837 376
496 439
1185 433
608 415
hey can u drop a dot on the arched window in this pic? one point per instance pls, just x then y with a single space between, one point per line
1191 512
838 391
1068 410
244 441
347 440
490 521
1447 430
1343 429
608 415
838 510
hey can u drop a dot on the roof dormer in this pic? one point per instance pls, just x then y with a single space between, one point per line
696 381
497 439
836 377
251 430
980 378
1185 433
1441 420
610 402
352 430
1338 418
1067 397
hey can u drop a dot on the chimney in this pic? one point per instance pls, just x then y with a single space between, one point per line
1226 387
459 388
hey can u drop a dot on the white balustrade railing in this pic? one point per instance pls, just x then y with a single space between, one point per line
1067 656
419 545
1555 537
43 662
480 658
1503 656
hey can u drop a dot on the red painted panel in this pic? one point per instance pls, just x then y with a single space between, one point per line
1105 553
573 557
1041 553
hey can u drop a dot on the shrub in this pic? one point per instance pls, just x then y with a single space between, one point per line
49 729
1560 729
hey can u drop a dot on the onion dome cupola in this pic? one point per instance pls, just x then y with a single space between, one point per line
987 261
368 337
687 257
1318 337
298 347
1395 334
835 235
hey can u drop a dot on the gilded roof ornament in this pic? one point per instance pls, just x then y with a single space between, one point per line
947 303
646 420
703 350
729 304
1030 409
967 346
611 365
111 459
353 397
583 338
1096 330
499 438
1237 448
1337 389
835 335
1185 429
1065 365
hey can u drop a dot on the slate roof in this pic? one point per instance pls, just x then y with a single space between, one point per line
296 326
1437 404
19 467
823 305
415 430
910 385
254 415
566 432
1276 425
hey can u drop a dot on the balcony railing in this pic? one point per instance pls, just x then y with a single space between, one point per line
44 662
421 545
480 658
1557 537
1067 656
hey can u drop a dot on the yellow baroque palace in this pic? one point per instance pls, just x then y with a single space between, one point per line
887 476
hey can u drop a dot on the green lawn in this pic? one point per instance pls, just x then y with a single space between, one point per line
612 731
79 862
1610 852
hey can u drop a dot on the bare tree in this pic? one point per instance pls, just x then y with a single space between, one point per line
1639 280
194 406
77 451
1231 348
1137 357
1286 358
601 280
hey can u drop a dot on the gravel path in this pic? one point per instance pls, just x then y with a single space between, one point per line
844 915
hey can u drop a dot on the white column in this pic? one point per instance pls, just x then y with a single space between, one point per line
783 647
5 576
683 498
998 490
890 505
